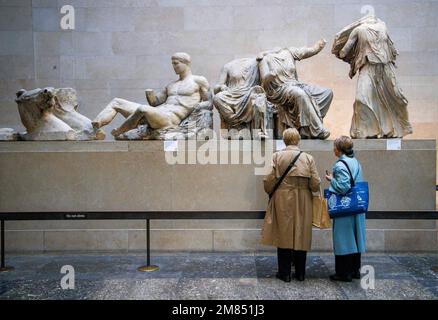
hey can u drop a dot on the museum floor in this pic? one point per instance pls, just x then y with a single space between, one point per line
211 276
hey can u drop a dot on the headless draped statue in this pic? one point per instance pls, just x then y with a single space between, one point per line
166 110
380 107
300 105
240 99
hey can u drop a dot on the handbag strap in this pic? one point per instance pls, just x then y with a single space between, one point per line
349 171
279 181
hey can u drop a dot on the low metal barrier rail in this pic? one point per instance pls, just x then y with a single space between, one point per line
173 215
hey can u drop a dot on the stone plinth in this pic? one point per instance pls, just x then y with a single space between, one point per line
134 175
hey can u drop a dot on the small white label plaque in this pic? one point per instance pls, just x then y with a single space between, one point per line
171 145
393 144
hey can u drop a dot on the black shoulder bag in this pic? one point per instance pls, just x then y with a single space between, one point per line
277 184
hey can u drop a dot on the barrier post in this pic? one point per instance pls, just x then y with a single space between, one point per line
3 268
148 267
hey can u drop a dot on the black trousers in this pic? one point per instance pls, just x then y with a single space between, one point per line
347 265
286 257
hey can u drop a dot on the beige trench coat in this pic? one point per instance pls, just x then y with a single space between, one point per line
288 220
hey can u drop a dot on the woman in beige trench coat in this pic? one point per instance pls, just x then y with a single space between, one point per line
288 220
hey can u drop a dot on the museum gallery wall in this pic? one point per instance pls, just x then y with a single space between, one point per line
120 51
148 70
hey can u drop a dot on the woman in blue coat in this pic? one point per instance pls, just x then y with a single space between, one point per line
348 232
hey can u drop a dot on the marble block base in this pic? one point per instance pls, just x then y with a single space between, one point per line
8 134
134 175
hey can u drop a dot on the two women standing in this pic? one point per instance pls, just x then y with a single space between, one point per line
288 220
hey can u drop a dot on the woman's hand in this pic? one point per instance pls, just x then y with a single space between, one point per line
328 175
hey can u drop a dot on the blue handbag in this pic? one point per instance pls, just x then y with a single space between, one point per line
353 202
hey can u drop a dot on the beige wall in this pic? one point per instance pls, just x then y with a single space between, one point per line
138 175
134 176
121 47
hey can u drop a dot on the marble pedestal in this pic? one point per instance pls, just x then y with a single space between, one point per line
134 175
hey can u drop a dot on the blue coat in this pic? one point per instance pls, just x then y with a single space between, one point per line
349 233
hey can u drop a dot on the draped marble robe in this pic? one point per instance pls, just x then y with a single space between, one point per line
237 92
380 107
300 105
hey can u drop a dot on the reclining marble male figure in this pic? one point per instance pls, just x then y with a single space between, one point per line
165 109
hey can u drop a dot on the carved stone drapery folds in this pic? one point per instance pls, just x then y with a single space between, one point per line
380 107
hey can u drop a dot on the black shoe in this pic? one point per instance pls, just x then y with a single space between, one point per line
298 277
356 275
283 278
336 277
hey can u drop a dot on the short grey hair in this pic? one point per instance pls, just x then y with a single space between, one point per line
345 145
291 136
